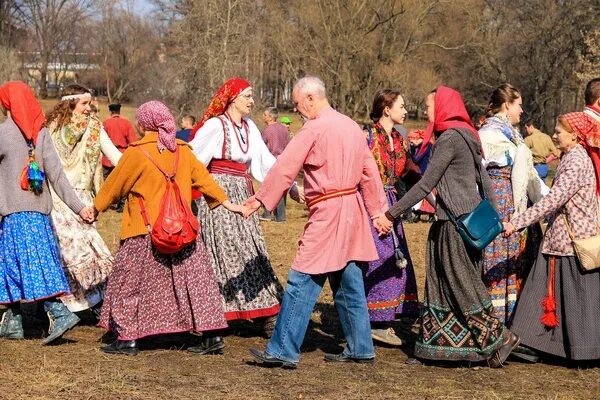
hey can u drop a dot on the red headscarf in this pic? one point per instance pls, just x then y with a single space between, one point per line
223 98
449 112
588 131
25 110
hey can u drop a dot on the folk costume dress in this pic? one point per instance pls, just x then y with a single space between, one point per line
457 317
572 329
248 283
151 293
87 261
30 264
507 261
391 288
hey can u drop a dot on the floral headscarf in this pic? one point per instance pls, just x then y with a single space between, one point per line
155 116
223 98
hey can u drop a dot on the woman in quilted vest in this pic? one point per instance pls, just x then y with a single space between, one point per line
559 309
151 293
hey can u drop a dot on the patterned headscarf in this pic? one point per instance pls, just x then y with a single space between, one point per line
155 116
223 98
25 110
588 132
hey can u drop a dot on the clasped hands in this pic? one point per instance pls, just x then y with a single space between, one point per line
382 224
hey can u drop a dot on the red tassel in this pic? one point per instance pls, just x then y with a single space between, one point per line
549 318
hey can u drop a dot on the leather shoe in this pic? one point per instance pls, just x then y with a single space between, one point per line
128 347
499 357
208 345
525 354
346 358
269 361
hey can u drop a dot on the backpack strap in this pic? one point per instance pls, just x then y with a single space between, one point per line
169 177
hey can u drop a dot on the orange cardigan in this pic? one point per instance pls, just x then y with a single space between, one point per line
135 176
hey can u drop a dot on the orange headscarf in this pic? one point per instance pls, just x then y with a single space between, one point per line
25 110
223 98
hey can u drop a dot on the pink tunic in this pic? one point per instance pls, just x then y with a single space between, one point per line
333 152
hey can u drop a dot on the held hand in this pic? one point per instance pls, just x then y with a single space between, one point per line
297 194
251 205
234 208
88 214
509 229
382 224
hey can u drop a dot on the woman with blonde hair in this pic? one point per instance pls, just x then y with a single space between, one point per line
80 142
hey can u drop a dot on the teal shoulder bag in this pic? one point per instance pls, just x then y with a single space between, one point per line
479 227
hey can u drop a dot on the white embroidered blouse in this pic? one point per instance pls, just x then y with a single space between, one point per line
246 146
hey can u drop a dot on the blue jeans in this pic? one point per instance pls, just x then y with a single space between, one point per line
300 296
279 211
542 170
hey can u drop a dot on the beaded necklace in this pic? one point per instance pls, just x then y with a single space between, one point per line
239 136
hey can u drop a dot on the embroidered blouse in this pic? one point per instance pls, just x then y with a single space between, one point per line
390 163
247 148
504 146
573 198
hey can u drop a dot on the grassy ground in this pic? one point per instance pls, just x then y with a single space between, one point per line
76 368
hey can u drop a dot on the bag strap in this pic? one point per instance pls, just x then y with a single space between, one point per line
170 179
175 163
480 182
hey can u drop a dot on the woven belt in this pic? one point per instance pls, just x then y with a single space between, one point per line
229 167
331 195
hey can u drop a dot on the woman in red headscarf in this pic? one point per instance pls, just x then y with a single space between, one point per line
230 144
457 317
567 323
30 266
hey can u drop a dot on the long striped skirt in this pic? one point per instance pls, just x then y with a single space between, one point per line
506 261
391 291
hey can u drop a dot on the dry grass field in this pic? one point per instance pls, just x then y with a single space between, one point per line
76 369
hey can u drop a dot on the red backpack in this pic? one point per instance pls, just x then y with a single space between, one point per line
176 226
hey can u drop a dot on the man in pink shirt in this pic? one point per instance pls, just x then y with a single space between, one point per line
336 241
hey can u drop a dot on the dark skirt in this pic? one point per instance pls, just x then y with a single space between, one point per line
149 293
457 318
577 336
391 291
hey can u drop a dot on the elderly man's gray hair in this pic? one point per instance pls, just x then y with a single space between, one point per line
273 112
311 85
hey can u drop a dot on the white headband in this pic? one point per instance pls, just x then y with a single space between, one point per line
76 96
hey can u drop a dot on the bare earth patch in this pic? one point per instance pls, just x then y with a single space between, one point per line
76 369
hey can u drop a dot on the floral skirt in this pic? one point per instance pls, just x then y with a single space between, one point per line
391 291
149 293
249 287
30 268
86 259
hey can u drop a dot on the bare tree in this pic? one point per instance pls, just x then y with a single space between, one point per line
52 24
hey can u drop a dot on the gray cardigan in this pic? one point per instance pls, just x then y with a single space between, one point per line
451 171
13 158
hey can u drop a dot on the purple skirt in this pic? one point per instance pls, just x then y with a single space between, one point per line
391 291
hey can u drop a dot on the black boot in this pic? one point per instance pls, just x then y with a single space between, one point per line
128 347
208 344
